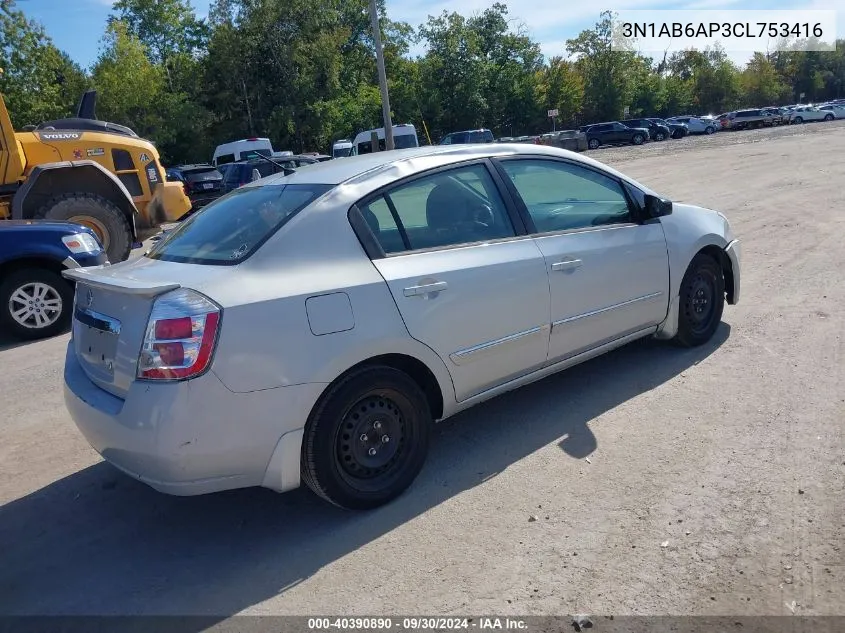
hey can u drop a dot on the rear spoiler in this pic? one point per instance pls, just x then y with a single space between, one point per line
89 277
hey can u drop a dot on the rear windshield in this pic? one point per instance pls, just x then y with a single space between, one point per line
241 173
195 175
232 228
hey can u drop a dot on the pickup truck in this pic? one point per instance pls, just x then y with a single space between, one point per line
35 300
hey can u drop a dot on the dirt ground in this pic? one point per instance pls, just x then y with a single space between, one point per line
663 481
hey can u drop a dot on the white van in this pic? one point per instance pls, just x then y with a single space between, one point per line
404 136
342 148
237 150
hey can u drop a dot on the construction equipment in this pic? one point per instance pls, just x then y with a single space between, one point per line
87 171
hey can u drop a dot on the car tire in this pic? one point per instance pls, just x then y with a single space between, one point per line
658 136
367 438
709 129
103 217
593 143
828 117
701 301
638 139
51 313
798 120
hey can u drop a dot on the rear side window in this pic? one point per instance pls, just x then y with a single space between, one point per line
404 141
458 206
232 228
225 158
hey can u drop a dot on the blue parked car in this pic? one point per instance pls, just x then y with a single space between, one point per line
35 300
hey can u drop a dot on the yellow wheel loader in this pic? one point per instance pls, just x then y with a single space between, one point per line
91 172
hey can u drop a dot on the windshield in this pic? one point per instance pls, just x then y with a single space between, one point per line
341 152
230 229
208 173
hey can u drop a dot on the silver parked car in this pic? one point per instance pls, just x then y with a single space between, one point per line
313 326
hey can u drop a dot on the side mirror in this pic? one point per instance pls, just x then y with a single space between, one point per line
657 207
256 175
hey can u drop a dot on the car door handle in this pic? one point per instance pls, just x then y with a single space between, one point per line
567 264
424 289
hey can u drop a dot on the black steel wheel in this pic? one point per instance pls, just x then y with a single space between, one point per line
702 301
367 438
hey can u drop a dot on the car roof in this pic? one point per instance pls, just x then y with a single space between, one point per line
388 166
192 167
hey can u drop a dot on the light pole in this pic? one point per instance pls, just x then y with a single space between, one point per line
382 77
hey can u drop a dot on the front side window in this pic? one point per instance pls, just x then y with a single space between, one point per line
231 228
561 196
448 208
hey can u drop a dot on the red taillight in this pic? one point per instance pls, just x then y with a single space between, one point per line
173 328
181 335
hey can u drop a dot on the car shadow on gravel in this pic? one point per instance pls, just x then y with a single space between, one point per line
7 342
100 543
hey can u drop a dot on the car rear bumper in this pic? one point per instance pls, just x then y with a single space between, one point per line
192 437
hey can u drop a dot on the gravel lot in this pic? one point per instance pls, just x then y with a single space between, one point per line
714 483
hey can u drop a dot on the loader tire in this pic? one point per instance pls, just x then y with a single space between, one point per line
98 214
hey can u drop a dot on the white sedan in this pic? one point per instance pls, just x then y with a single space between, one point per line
809 113
313 326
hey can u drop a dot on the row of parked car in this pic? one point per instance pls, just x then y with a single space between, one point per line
638 131
204 183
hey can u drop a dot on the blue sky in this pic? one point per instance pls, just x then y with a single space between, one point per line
76 27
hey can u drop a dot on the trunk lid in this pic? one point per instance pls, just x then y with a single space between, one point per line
112 306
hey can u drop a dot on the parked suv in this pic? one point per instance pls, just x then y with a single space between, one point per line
35 301
695 124
676 130
615 133
202 183
657 131
468 136
240 173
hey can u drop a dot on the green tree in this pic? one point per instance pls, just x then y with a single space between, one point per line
38 81
603 60
761 84
560 87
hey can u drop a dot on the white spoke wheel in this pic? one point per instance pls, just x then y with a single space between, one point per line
35 303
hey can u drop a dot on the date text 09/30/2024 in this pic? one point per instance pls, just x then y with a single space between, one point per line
416 624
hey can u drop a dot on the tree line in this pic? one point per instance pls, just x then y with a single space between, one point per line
303 73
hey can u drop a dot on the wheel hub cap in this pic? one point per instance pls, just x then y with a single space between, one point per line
701 301
35 305
370 437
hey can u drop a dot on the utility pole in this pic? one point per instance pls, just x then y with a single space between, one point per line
382 77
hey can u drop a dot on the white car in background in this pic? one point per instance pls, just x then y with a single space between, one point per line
696 125
838 110
810 113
